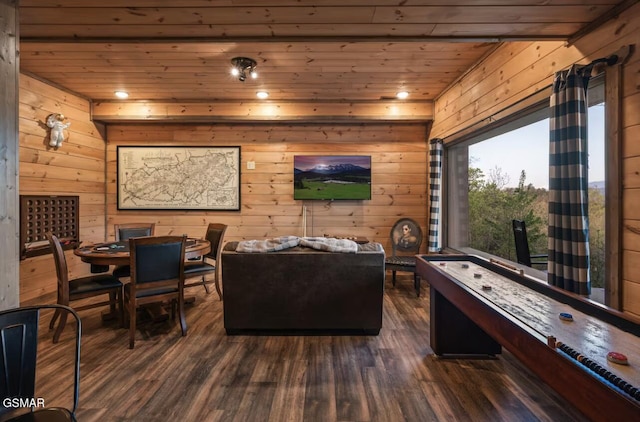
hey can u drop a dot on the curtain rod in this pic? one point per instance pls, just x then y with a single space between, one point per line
618 57
610 61
587 69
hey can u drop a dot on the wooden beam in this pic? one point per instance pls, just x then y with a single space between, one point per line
302 39
9 214
612 13
281 111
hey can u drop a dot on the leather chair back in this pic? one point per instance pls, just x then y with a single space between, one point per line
129 230
157 262
215 234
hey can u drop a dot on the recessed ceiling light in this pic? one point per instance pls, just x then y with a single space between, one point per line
262 94
401 95
121 94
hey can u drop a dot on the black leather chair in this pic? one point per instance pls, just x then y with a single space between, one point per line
157 275
80 288
19 351
201 268
406 238
126 232
523 254
129 230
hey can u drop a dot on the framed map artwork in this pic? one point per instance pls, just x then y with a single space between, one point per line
178 178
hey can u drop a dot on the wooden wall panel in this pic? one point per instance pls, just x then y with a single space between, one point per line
517 70
399 173
76 168
510 74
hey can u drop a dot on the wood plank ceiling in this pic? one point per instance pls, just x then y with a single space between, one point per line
314 51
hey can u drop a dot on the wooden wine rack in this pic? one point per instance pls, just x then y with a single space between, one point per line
41 214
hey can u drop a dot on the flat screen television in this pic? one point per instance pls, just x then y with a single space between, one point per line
332 177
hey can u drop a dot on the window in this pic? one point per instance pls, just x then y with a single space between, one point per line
597 190
502 174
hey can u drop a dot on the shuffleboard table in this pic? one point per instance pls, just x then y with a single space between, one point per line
479 306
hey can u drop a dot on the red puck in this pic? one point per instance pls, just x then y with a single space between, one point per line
618 358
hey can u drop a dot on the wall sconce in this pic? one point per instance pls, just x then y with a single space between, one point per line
57 125
242 66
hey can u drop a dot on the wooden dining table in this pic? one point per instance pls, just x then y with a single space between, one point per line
117 253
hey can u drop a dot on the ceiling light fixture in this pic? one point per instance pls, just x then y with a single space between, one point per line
262 95
401 95
242 66
121 94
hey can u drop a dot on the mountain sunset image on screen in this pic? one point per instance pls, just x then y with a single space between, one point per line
332 177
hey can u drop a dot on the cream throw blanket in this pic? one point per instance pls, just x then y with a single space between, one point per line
275 244
268 245
330 244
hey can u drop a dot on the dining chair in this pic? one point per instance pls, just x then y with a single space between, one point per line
406 238
19 351
128 230
125 232
81 288
201 268
157 275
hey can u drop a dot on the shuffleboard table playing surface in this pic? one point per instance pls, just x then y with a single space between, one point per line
523 315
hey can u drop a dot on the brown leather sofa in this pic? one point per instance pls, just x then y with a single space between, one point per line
304 290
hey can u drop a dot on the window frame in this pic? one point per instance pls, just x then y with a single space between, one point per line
613 185
517 115
535 108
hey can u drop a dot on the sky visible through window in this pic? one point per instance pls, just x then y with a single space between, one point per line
527 149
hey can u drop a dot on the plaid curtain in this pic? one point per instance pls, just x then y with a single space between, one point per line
435 194
568 265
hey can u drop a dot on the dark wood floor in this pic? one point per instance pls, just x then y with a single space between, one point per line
208 376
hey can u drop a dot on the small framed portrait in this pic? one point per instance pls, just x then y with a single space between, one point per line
406 235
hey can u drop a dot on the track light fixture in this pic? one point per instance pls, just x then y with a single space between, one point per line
242 66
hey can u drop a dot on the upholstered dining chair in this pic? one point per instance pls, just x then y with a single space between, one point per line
126 232
157 275
129 230
198 270
80 288
18 366
406 238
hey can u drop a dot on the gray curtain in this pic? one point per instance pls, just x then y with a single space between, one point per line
436 150
568 264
